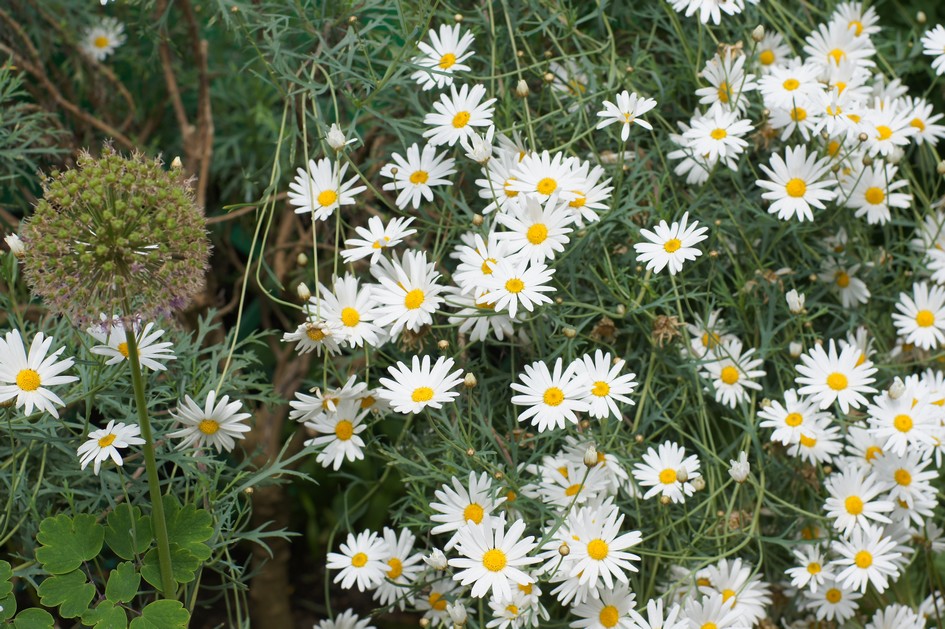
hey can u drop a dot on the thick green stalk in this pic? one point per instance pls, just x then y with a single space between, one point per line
159 524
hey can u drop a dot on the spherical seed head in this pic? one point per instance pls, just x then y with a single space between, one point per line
116 234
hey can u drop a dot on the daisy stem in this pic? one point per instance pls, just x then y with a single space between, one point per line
150 463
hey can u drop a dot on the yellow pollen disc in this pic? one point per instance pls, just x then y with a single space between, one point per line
903 477
419 177
546 186
367 402
884 132
486 268
794 420
525 588
853 505
208 426
350 317
766 57
918 124
485 306
461 119
719 134
508 192
837 55
537 233
810 533
808 442
791 84
796 187
512 609
359 560
874 195
573 489
414 299
510 496
902 423
422 394
872 452
601 457
600 388
814 567
627 118
609 616
833 595
315 334
563 471
842 279
515 285
447 61
437 601
579 201
727 594
863 559
710 340
924 318
729 375
833 147
123 349
672 245
377 245
709 625
494 560
327 197
902 503
473 512
106 441
837 381
101 42
703 582
344 430
798 114
553 396
396 568
28 380
668 476
597 549
858 25
833 112
725 92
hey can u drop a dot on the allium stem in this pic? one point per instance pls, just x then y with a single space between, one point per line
150 464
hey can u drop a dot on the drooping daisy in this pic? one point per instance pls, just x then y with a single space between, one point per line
873 190
314 335
415 176
790 419
795 183
535 231
320 189
835 377
854 500
105 442
552 398
667 471
403 568
866 557
414 388
706 334
460 505
626 111
545 176
812 569
101 40
843 281
361 561
408 293
351 308
493 558
27 378
921 317
603 384
443 56
670 245
729 84
112 337
456 115
933 44
611 611
375 238
339 434
732 373
600 555
718 134
218 424
517 283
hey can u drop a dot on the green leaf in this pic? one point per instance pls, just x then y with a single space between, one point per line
188 526
122 583
67 542
128 533
162 615
71 593
184 566
33 618
106 615
7 599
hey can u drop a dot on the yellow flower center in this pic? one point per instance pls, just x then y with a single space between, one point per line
853 505
833 595
729 375
794 420
553 396
709 625
609 616
579 201
350 317
367 402
436 601
344 430
798 114
359 560
447 61
863 559
808 442
600 388
396 568
208 426
414 299
833 112
473 512
766 57
918 124
537 233
419 177
903 477
106 441
28 380
884 132
796 187
874 195
668 476
461 119
837 55
858 25
494 560
872 452
710 339
101 41
515 285
597 549
327 197
512 610
314 333
924 318
123 349
525 588
486 267
719 133
672 245
814 567
791 84
727 594
546 186
703 582
837 381
508 192
842 279
422 394
573 489
902 423
725 92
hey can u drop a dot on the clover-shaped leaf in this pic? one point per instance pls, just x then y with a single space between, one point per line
67 542
106 615
184 566
33 618
123 582
188 526
128 533
71 593
162 615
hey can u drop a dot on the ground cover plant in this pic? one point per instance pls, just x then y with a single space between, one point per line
494 314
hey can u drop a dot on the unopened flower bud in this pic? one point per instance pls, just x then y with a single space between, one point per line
569 332
758 33
739 467
795 301
436 559
698 483
304 293
176 164
549 77
682 475
921 18
665 500
863 137
336 138
470 381
941 167
564 550
301 259
458 18
897 388
15 244
457 613
590 456
867 160
795 349
521 89
477 220
443 345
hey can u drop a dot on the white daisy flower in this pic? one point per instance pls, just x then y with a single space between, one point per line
27 378
320 190
771 51
480 321
866 557
611 611
801 118
862 21
338 431
706 334
476 261
603 384
458 505
600 555
718 135
493 557
627 111
895 616
887 131
843 281
833 43
667 471
712 610
906 477
408 294
515 283
728 82
791 84
709 10
569 78
819 442
790 419
933 44
873 190
852 500
921 317
834 601
375 238
457 114
347 620
795 183
436 605
351 308
105 442
812 570
443 56
740 587
101 40
314 335
113 341
903 423
495 187
545 176
732 372
835 377
403 565
924 120
551 396
670 245
572 483
361 561
415 176
536 231
218 424
591 194
414 388
655 619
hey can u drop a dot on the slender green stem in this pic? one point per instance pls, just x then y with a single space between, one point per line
150 464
